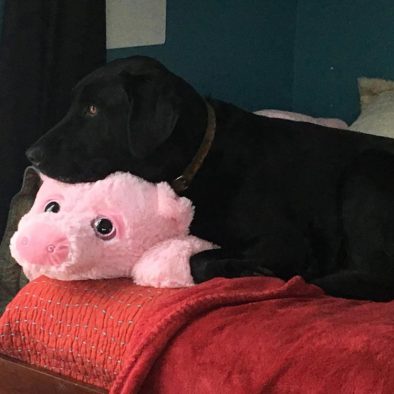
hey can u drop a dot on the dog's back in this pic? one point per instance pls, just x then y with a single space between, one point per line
279 196
278 189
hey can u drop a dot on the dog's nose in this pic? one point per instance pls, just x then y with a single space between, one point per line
35 154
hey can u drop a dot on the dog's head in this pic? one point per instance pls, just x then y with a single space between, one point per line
129 115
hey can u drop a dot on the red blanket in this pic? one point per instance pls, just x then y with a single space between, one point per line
248 335
257 335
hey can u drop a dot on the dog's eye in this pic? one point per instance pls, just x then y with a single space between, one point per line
91 110
104 228
53 207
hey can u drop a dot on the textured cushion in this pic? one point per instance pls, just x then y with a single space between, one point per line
79 329
377 107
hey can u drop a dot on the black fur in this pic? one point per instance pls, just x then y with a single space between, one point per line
280 197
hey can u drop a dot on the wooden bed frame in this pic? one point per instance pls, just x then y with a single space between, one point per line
20 378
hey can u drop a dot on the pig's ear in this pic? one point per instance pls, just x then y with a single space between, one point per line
43 177
171 206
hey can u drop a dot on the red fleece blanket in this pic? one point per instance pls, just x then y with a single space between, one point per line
258 335
249 335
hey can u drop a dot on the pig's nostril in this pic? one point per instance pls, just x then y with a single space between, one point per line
38 249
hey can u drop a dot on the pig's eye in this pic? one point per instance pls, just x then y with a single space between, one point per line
104 228
52 206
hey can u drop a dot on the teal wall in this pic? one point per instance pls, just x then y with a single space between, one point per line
301 55
236 50
336 42
304 55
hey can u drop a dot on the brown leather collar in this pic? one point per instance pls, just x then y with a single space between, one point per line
183 181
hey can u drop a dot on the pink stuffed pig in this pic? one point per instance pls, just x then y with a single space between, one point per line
121 226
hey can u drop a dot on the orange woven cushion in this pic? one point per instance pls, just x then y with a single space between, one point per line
79 329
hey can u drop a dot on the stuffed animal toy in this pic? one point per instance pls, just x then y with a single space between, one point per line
121 226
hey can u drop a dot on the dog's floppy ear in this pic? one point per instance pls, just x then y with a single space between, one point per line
154 110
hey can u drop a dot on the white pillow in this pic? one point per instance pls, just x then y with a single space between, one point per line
377 107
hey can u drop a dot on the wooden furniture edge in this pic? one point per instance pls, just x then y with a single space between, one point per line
22 378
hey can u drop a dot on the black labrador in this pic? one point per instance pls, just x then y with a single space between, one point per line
280 197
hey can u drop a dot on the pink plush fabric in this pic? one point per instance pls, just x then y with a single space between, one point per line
149 240
328 122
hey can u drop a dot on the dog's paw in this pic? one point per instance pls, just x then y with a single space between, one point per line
205 266
256 271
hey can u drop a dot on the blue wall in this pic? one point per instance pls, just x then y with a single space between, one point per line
303 55
236 50
336 42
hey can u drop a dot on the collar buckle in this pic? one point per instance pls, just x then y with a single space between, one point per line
180 184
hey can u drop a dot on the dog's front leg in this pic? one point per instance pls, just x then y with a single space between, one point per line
280 253
221 263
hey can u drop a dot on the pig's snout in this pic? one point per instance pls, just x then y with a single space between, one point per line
45 245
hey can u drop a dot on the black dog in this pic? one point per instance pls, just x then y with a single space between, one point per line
278 196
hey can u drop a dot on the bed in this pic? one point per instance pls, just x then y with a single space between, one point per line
246 335
22 378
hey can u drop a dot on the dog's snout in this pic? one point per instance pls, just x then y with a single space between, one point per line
35 154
